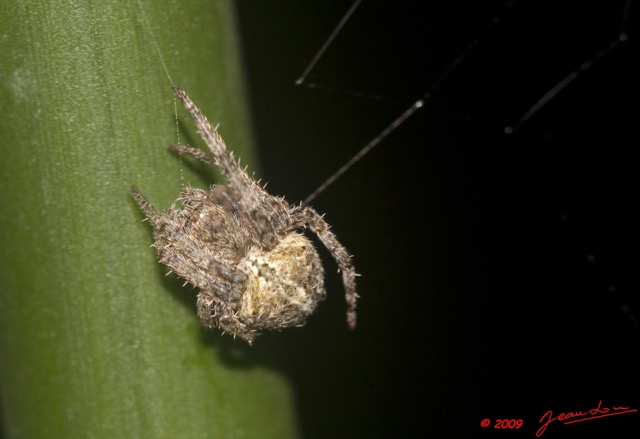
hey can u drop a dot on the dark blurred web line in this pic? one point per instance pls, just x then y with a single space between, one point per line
343 21
579 71
515 128
562 215
406 114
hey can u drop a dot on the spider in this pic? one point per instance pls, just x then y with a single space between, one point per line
242 247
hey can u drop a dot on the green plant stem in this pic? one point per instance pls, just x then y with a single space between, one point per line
94 340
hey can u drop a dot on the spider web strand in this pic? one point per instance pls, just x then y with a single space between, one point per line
327 43
564 83
384 133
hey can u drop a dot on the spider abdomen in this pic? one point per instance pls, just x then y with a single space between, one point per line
284 285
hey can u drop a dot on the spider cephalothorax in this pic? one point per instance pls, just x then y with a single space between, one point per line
242 247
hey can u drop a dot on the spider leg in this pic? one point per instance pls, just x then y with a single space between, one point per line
267 214
227 283
308 217
195 153
220 156
149 211
217 313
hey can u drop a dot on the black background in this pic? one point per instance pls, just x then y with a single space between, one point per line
499 272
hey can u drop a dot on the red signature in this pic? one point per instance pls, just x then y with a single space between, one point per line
571 417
